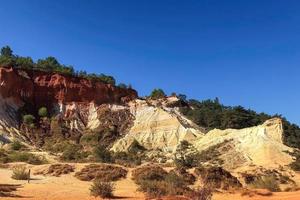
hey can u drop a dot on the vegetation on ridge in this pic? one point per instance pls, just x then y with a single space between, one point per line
212 114
50 64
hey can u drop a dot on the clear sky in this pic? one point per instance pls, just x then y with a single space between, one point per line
244 52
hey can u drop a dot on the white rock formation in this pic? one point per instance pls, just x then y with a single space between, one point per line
260 145
8 120
157 127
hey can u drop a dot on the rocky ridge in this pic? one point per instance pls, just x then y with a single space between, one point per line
83 105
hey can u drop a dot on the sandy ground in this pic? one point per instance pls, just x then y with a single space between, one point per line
67 187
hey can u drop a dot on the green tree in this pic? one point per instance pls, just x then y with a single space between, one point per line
43 112
157 94
102 155
6 51
28 119
49 63
24 62
122 85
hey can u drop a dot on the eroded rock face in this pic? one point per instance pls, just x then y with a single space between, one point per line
260 145
157 126
43 88
72 98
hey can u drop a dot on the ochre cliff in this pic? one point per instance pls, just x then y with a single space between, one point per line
66 96
44 88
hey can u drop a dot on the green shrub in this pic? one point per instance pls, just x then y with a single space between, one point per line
127 159
136 148
102 189
102 155
102 172
43 112
149 173
183 158
16 156
20 173
154 188
296 164
217 177
28 119
90 139
156 182
157 94
73 152
16 145
202 193
3 156
266 182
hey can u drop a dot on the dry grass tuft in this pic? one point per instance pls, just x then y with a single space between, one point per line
20 173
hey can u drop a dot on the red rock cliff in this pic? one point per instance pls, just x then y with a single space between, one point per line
41 88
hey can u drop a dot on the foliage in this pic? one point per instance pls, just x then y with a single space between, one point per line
6 51
217 177
57 170
202 193
183 158
28 119
154 188
43 112
101 154
157 94
18 156
48 64
73 152
103 172
156 182
16 145
20 173
149 172
136 148
127 159
212 114
266 182
102 189
295 165
122 85
25 62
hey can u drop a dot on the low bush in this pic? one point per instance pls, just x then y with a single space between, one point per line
154 188
217 177
296 164
20 173
16 145
266 182
186 176
73 152
102 189
6 189
127 159
103 155
19 156
102 172
156 182
57 170
30 158
202 193
149 173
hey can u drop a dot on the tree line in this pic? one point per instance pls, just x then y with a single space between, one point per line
212 114
50 64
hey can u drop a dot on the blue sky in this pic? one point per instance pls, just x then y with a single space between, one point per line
244 52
